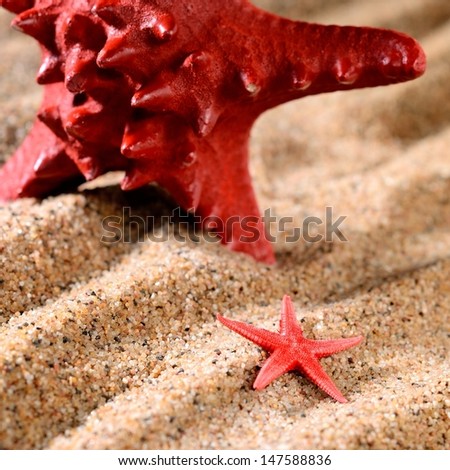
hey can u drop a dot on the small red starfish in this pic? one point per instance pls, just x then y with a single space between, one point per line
290 350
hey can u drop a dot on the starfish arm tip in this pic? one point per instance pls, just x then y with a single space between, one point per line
261 382
325 348
355 341
257 386
342 399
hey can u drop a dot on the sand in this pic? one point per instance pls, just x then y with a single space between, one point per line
117 346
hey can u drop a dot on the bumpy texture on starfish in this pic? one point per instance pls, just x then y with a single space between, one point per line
290 350
168 91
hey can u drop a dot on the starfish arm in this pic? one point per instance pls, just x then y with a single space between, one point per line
274 366
260 336
41 169
326 58
288 321
324 348
228 204
312 369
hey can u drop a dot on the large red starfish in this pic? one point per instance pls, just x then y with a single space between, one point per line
290 350
168 91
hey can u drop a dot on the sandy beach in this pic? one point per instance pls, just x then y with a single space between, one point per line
117 346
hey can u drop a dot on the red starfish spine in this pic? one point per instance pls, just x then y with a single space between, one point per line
39 24
290 350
